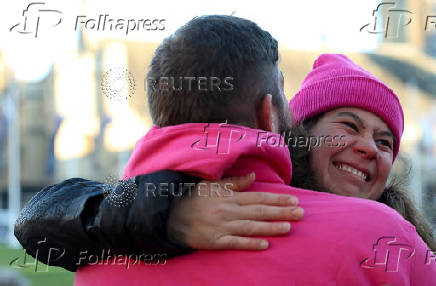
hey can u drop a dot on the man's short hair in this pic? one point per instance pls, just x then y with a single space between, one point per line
233 51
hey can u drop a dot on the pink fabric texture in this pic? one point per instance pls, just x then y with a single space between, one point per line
334 244
335 81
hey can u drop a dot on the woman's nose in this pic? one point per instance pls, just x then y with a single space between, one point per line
365 147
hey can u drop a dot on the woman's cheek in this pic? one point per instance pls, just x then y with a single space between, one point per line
341 139
384 164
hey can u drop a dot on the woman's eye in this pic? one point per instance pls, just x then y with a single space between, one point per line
351 125
385 143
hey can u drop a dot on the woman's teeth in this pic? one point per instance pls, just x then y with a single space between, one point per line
352 170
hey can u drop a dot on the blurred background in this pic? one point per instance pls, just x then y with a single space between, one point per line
72 93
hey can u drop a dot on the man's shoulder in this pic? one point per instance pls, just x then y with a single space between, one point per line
366 213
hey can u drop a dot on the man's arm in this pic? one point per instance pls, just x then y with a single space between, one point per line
65 224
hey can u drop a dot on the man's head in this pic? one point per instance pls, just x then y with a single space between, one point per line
238 60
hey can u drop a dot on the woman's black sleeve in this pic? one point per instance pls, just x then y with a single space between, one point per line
77 221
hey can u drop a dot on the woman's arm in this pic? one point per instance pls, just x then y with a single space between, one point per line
220 215
73 221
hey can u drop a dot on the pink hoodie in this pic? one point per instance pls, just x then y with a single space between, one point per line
340 240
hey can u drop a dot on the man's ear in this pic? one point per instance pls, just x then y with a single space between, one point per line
267 118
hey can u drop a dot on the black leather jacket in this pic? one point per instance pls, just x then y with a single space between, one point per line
65 224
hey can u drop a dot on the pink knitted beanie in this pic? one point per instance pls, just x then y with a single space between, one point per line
335 81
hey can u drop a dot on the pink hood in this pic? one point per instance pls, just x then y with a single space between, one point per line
211 151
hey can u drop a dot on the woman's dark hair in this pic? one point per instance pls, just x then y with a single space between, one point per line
397 198
394 195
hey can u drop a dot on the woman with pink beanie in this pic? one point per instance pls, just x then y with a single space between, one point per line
339 99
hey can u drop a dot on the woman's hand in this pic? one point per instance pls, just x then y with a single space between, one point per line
217 215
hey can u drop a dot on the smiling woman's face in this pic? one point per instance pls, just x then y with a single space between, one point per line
361 167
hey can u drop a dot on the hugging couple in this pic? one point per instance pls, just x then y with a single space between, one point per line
349 226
